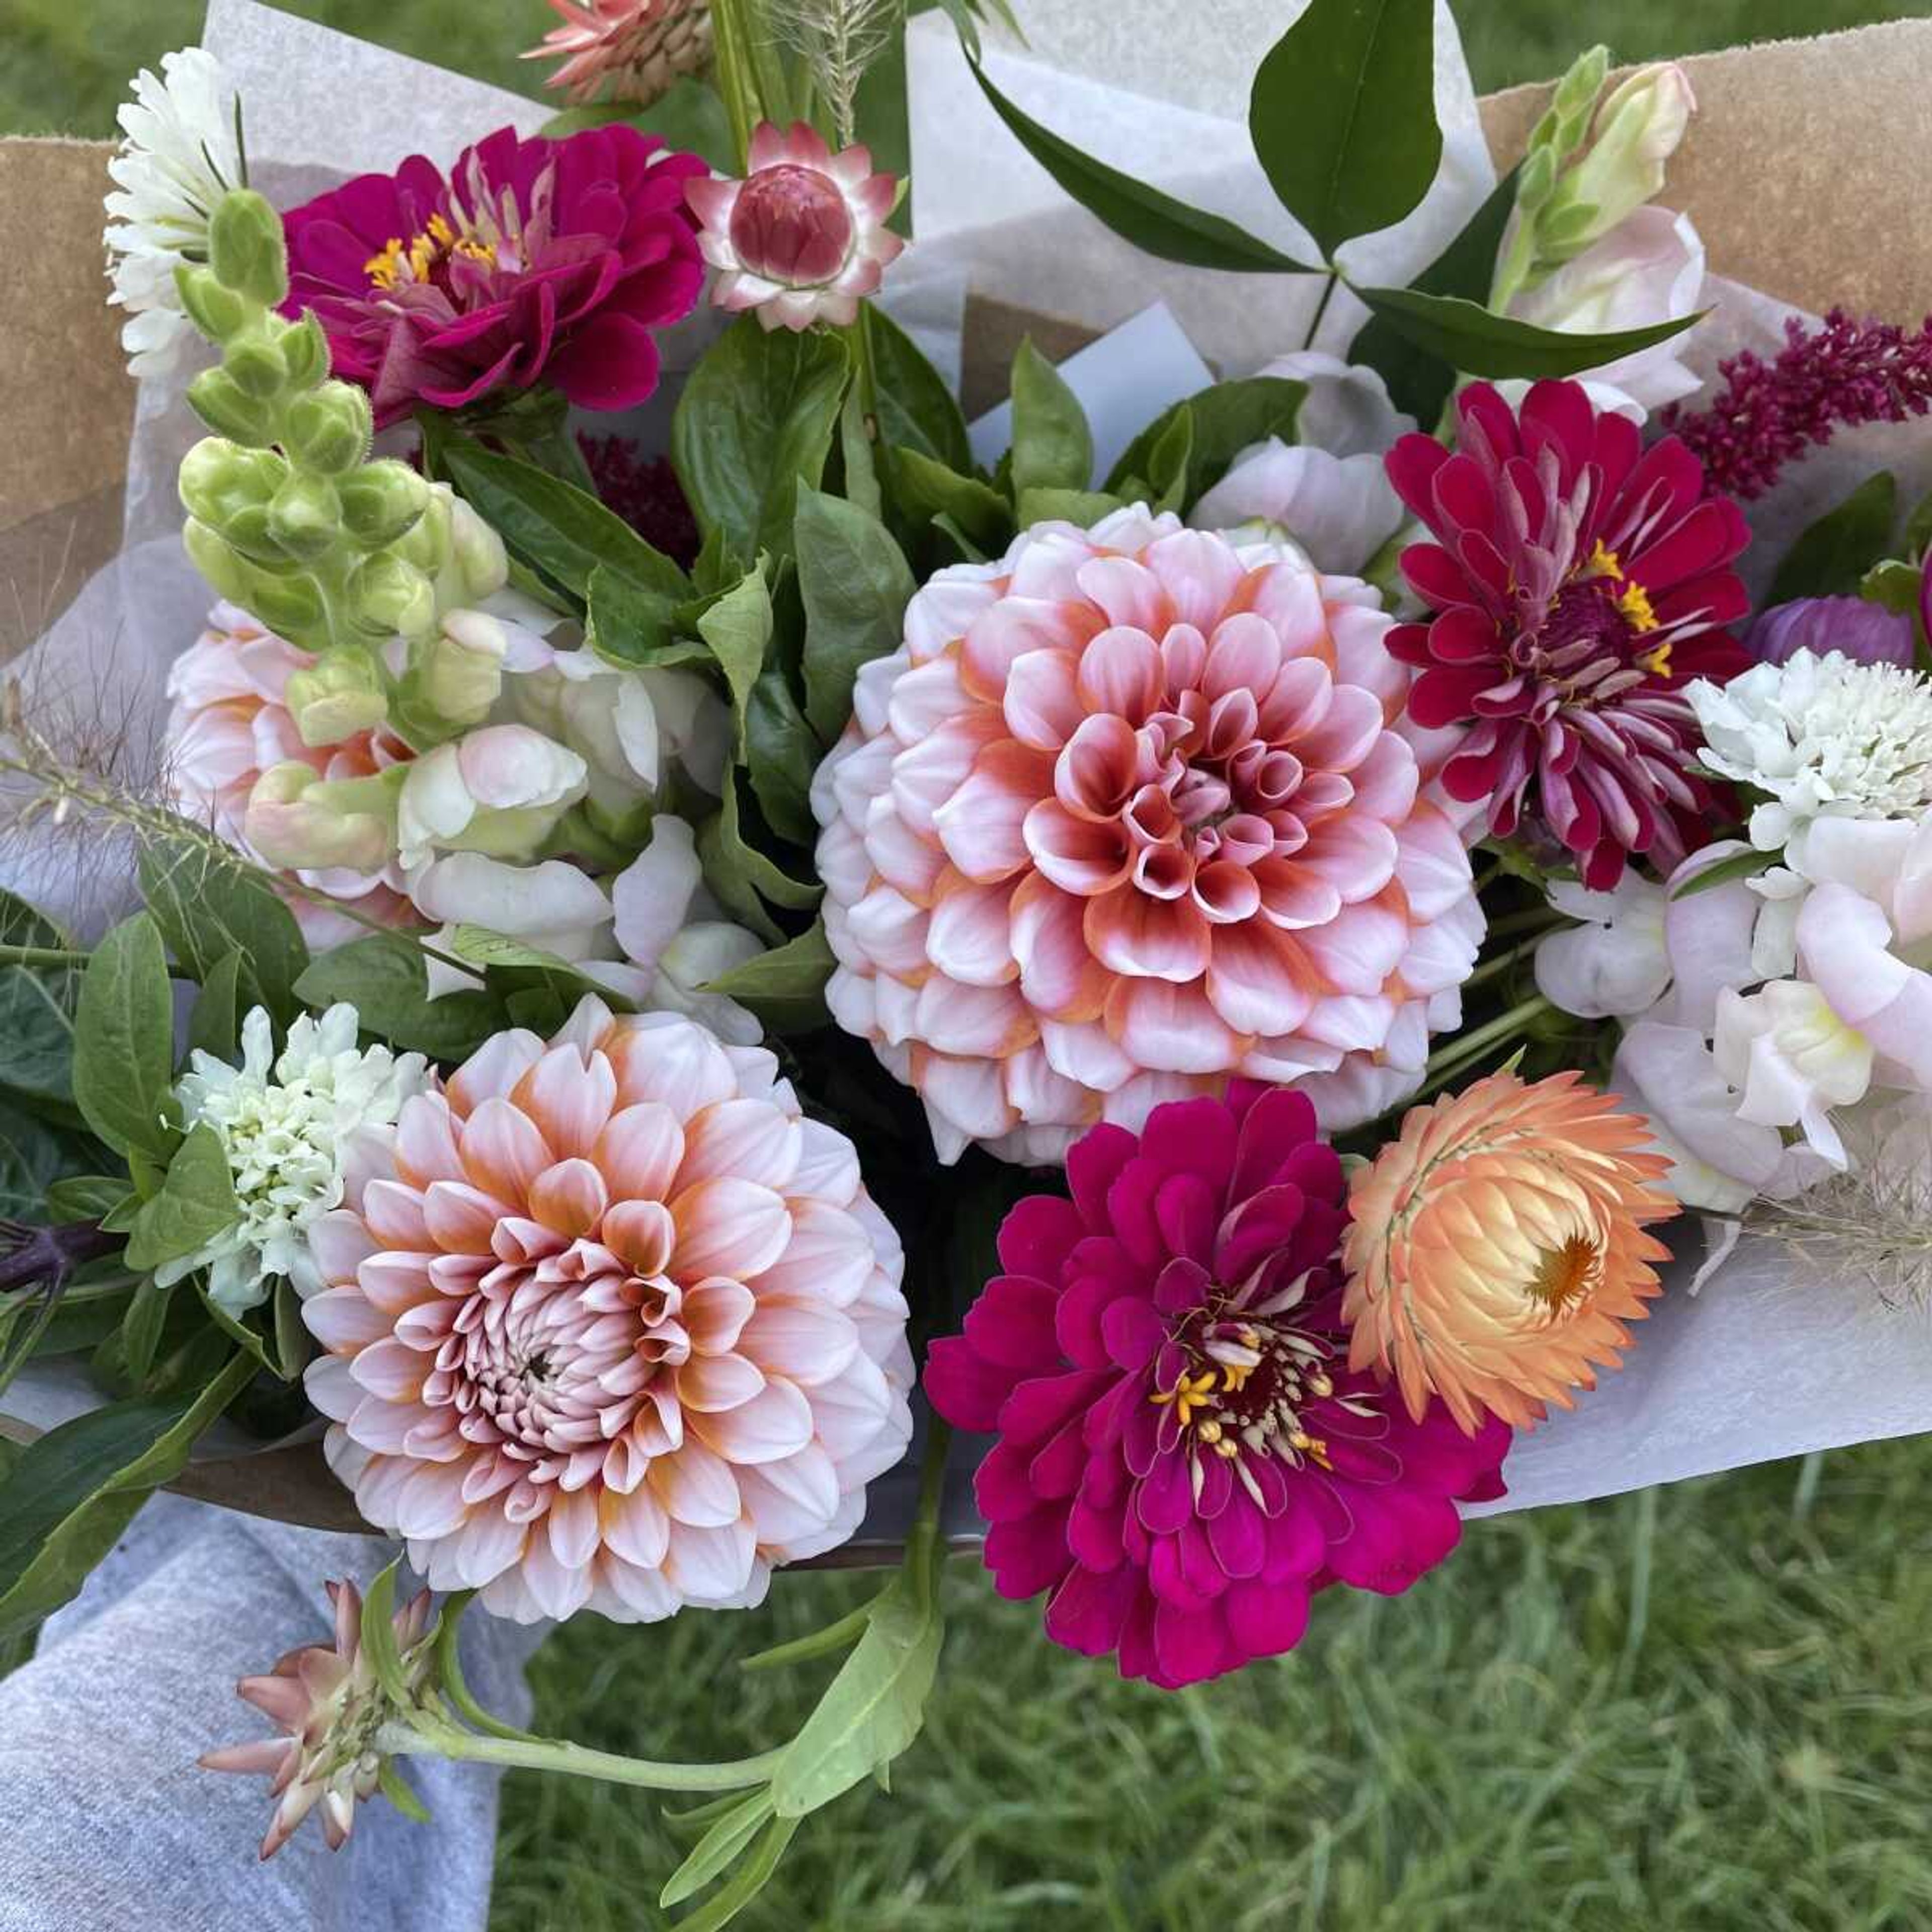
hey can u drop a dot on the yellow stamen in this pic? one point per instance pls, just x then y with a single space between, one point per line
439 231
1190 1393
385 270
1634 602
418 259
1604 562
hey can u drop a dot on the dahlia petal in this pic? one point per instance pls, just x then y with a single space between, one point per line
778 1421
504 1151
640 1151
712 1383
754 1140
695 1486
979 825
807 1342
569 1197
493 1068
1168 1027
731 1227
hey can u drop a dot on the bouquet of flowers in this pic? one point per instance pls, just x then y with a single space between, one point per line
1206 927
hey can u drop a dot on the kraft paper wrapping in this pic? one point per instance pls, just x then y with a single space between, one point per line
1793 173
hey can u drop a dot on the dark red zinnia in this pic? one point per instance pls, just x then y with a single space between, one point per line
537 259
1579 582
1184 1455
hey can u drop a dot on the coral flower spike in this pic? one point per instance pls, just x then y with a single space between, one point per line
622 1329
1499 1247
1579 582
1185 1454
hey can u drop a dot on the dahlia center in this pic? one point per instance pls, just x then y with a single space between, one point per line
1241 1385
790 224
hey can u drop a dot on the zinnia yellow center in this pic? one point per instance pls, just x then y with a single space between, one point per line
414 262
1562 1274
1245 1389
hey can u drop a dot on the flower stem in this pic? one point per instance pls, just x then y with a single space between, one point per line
42 955
1502 961
1321 310
1537 919
1470 1047
426 1737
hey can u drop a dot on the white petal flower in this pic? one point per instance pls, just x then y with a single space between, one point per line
1793 1059
1338 511
180 154
301 1130
1347 411
1615 964
1823 738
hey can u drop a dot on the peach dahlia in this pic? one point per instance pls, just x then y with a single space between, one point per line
1130 811
621 1329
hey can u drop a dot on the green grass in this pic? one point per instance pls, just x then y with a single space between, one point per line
1703 1710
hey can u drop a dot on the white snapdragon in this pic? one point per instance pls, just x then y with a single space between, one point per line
299 1129
180 153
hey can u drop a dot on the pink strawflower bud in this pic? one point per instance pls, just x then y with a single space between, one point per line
803 236
326 1700
624 49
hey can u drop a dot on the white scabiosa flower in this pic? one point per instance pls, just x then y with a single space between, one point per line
301 1130
1821 738
180 153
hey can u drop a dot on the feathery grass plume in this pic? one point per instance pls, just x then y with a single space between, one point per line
1869 1227
837 41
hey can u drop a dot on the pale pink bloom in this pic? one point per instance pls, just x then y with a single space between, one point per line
230 723
326 1699
623 1330
803 236
624 49
1129 812
1340 510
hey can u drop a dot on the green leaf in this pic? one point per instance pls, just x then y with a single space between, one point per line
125 1040
207 908
196 1202
1084 508
1828 559
917 410
563 531
1918 530
379 1635
384 978
929 491
786 986
71 1494
21 925
1419 382
780 753
1465 335
737 630
857 459
524 966
293 1348
855 584
756 416
140 1330
750 1878
872 1710
1053 447
688 114
396 1789
34 1155
85 1197
1223 421
729 1834
1745 865
742 877
215 1026
36 1034
1894 585
1342 114
631 627
1156 224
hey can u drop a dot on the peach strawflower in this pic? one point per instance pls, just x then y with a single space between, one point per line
1498 1247
1131 811
622 1329
624 49
230 722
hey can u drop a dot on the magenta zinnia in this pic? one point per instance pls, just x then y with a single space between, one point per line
1185 1456
537 260
1578 582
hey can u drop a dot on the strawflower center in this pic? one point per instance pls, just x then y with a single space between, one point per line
1561 1275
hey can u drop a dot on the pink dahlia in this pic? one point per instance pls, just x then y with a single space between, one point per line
1132 810
1578 583
230 722
803 236
624 49
623 1329
1185 1456
536 260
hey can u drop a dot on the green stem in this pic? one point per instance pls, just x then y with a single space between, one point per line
42 955
428 1737
1321 310
1490 968
1472 1046
1534 919
735 68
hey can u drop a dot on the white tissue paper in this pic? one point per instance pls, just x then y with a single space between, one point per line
1763 1362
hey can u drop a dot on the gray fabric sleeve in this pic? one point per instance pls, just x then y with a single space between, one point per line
106 1824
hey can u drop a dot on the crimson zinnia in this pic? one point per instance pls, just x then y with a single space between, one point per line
1578 582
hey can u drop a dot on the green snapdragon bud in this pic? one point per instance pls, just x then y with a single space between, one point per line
218 312
382 502
342 693
459 673
219 478
391 598
304 350
255 366
229 410
330 429
477 553
305 516
246 249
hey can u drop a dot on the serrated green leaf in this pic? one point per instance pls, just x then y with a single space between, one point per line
196 1202
207 909
1833 554
555 527
123 1039
855 584
756 416
784 987
1342 114
384 978
1466 336
73 1492
1155 222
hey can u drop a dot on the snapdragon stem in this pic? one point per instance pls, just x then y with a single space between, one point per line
420 1737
